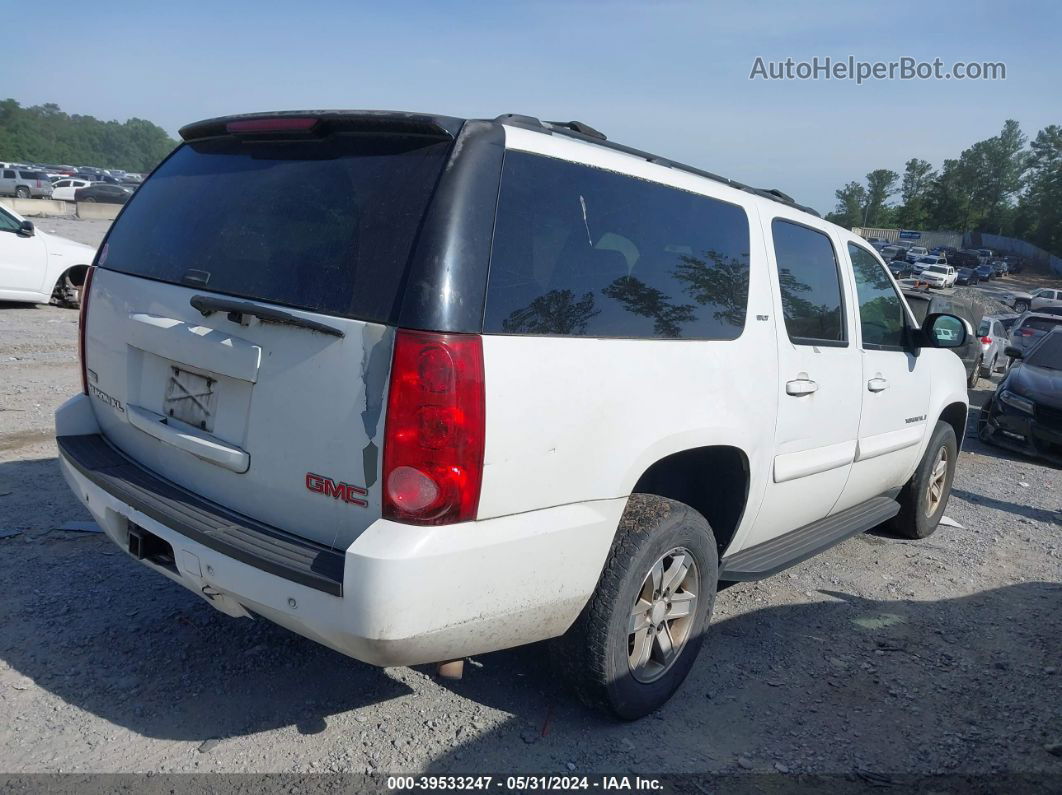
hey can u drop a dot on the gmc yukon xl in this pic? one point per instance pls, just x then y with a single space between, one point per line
419 387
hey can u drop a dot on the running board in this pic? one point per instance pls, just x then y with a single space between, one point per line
787 550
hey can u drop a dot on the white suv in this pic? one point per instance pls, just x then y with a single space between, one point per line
418 388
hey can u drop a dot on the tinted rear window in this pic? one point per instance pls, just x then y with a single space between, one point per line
1041 323
324 225
587 252
810 283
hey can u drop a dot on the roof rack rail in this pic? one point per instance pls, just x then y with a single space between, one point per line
584 132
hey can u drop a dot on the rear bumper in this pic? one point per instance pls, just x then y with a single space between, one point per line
402 595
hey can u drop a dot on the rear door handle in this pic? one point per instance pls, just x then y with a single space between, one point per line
877 384
800 386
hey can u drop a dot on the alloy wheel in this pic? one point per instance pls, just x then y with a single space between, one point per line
661 619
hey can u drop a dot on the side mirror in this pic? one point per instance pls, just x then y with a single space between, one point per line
1012 352
26 229
941 330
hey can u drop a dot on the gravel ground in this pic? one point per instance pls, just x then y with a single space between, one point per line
935 656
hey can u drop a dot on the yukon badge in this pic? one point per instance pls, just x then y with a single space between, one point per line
319 484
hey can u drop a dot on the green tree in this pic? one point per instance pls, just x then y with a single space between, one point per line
45 134
918 176
881 184
851 200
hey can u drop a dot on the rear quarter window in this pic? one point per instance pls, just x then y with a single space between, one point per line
581 251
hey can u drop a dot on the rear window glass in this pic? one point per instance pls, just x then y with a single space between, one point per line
582 251
1041 323
323 225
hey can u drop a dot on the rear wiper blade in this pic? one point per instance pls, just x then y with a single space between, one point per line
237 309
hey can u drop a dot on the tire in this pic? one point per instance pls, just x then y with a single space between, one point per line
21 192
975 374
595 655
1021 306
66 294
995 364
982 422
986 372
915 519
90 200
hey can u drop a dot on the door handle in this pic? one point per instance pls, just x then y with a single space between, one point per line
878 384
800 386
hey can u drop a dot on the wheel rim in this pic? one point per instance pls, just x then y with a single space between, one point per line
938 477
662 616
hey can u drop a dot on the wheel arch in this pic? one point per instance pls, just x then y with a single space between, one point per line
955 414
76 275
714 480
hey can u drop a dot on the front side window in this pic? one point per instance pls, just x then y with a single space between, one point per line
881 315
581 251
810 284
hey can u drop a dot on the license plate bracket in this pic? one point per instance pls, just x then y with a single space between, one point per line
191 398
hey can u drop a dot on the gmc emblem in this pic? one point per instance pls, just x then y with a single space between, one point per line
319 484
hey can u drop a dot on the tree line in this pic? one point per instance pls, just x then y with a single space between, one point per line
45 134
1004 185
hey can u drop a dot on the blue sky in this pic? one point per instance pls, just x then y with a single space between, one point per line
670 77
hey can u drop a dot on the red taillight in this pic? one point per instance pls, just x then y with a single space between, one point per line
986 340
1024 332
433 441
82 317
282 124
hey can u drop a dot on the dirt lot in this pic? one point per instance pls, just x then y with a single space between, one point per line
881 655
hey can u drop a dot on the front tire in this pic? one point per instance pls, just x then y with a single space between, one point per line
22 193
975 374
923 499
1021 306
638 636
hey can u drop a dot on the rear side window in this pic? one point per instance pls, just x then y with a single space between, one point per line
881 315
325 225
810 284
581 251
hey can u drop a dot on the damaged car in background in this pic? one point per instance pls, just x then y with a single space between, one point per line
1025 413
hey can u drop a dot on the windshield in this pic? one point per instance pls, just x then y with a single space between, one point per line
1048 353
325 225
936 269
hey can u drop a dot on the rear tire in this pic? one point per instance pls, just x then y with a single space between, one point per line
975 374
615 655
924 498
22 193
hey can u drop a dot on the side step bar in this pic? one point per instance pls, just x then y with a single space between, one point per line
787 550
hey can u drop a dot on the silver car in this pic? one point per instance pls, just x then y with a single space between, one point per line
994 341
1030 328
25 183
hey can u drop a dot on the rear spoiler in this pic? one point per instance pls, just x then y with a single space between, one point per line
300 123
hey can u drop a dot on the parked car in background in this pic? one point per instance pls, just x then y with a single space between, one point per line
921 263
924 303
999 267
894 252
1025 413
1035 300
103 192
878 242
994 338
900 268
963 259
24 183
36 267
359 465
938 276
914 252
1015 264
984 272
966 276
1029 328
64 189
